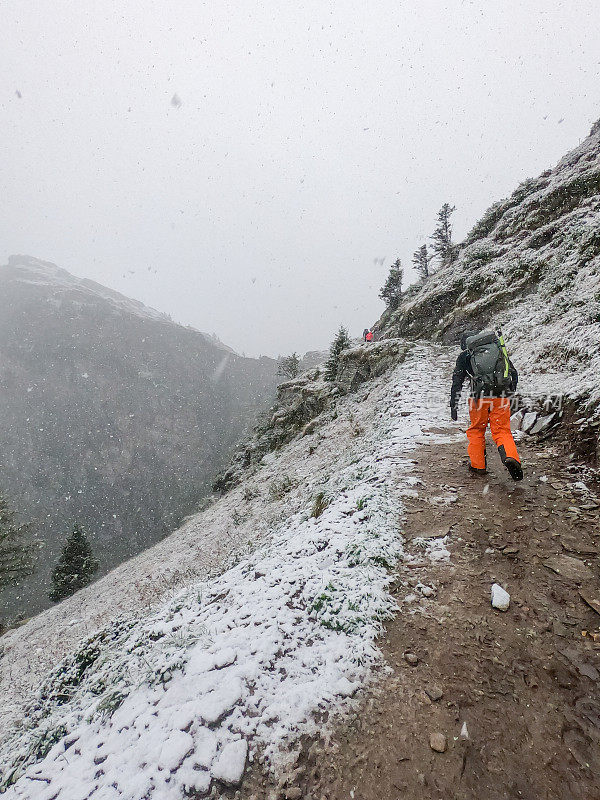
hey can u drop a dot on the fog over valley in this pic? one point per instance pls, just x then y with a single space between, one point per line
254 170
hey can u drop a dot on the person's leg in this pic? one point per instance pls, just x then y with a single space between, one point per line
479 414
502 435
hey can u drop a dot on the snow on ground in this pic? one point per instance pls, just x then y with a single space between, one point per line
160 703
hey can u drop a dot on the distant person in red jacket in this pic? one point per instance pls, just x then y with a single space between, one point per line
369 336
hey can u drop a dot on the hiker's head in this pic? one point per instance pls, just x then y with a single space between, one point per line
464 337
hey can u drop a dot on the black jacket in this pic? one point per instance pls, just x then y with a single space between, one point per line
463 370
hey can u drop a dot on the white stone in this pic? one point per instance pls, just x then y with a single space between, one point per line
516 421
194 780
175 750
528 421
500 598
206 747
231 763
541 424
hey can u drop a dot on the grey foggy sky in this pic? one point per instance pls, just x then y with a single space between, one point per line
312 138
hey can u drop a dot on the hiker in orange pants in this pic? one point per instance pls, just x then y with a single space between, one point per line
496 412
493 378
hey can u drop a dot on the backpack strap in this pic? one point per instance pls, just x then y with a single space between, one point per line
504 353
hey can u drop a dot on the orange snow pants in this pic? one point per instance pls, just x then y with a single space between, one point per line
496 412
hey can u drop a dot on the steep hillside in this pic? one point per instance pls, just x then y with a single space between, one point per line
257 646
532 266
303 546
112 415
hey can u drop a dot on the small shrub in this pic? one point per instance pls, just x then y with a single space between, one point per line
589 246
279 488
320 503
250 493
525 188
109 704
238 518
488 222
355 428
480 255
516 268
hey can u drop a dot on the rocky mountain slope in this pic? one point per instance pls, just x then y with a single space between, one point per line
532 266
112 415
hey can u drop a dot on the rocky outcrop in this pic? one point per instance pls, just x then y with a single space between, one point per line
368 361
302 403
530 266
543 243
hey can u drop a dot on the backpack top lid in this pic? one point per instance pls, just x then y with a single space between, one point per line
465 336
481 339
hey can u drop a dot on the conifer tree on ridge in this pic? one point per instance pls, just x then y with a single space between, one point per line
443 246
340 343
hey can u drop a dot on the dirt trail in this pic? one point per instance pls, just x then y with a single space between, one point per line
525 682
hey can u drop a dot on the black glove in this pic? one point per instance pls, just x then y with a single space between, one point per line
454 413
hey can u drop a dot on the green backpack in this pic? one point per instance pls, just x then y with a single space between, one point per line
490 364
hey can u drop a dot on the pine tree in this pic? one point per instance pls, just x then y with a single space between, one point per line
289 366
392 289
17 548
75 568
341 342
442 236
421 259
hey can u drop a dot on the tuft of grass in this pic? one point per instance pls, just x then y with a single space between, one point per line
481 255
346 612
110 703
250 492
279 488
320 503
238 518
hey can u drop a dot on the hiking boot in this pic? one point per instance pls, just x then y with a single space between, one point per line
476 470
514 468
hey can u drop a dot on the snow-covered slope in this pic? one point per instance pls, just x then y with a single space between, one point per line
171 696
532 266
61 283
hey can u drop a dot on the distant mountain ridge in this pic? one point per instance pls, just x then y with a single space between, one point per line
112 414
